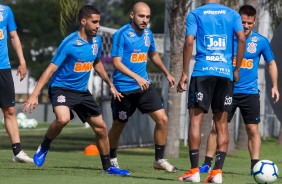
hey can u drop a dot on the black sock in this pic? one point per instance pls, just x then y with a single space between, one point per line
113 152
159 151
253 163
16 148
194 158
219 160
105 159
208 160
46 143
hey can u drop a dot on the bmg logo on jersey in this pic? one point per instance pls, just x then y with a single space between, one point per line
138 57
215 42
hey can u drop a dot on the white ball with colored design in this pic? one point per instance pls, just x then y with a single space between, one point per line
265 171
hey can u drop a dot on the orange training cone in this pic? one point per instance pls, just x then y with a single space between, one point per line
91 150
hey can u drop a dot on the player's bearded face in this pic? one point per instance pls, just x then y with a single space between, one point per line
248 23
92 25
141 18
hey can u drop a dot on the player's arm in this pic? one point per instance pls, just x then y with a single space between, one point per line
32 101
155 57
18 48
143 83
273 72
187 54
99 68
240 54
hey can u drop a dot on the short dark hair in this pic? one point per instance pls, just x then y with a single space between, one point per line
247 10
86 11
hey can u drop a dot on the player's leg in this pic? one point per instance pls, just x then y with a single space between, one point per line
7 104
210 150
121 111
55 128
250 109
160 136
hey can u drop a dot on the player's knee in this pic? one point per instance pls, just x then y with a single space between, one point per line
63 120
9 111
101 131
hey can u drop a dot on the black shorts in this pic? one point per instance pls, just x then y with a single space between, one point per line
211 90
82 103
249 105
7 89
146 101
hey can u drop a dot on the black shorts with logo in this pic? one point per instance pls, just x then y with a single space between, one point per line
211 91
7 89
146 101
249 105
82 103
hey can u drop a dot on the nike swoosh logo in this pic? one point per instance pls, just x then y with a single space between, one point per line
40 157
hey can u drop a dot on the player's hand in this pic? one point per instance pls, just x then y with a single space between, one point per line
143 83
171 81
275 94
182 84
31 103
117 95
22 71
236 76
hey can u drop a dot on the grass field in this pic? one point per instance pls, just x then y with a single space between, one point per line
66 163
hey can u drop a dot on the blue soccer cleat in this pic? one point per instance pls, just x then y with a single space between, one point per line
39 156
117 171
204 168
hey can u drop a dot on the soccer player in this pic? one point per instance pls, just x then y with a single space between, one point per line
70 70
7 90
213 26
132 45
246 92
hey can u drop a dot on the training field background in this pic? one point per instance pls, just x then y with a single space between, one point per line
67 164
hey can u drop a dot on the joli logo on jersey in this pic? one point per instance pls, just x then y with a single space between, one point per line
215 42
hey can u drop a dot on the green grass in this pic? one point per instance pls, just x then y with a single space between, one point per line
66 163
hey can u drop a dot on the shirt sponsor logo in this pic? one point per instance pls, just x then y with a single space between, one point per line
1 16
78 42
94 39
228 100
95 49
252 47
254 39
147 41
1 34
131 34
216 57
246 63
215 42
218 12
220 70
83 66
138 57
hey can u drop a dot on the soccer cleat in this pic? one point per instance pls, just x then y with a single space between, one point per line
205 168
215 176
22 157
39 156
117 171
193 175
114 162
163 164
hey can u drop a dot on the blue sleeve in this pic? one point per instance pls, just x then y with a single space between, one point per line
191 25
60 54
266 51
117 45
11 24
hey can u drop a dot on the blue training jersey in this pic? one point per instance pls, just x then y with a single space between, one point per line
7 25
213 26
256 45
133 48
75 58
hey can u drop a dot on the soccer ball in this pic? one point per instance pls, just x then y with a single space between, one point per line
265 171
